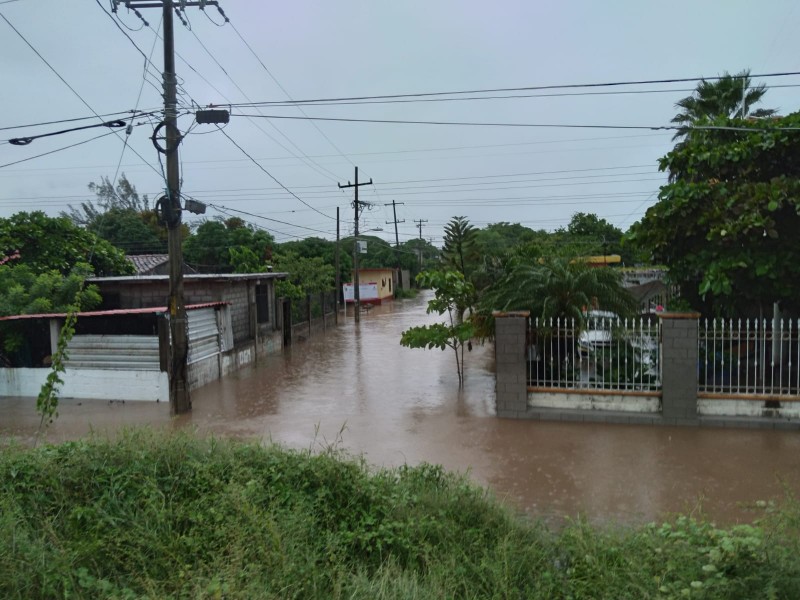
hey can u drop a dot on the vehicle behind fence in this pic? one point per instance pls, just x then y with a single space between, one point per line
601 352
750 357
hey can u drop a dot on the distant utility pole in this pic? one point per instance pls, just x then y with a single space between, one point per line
337 278
170 205
357 210
397 239
419 223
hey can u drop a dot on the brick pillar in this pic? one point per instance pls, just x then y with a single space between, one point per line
679 367
511 374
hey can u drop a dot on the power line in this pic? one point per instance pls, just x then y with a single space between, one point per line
271 176
102 135
71 89
524 125
278 83
60 121
538 88
316 166
249 214
298 103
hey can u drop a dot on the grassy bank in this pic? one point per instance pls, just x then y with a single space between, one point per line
174 516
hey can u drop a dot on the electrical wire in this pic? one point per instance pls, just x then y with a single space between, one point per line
298 103
249 214
135 107
271 176
525 125
16 162
69 86
316 166
278 83
59 121
540 87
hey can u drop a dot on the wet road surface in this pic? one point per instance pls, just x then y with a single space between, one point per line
356 388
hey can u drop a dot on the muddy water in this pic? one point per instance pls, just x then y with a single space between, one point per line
356 388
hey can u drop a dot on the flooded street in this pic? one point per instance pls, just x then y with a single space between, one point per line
356 388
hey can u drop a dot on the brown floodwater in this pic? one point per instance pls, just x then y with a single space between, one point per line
356 388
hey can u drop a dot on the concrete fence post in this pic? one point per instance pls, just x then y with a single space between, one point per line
511 373
679 368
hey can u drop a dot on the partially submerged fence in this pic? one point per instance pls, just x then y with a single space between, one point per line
601 352
751 357
671 369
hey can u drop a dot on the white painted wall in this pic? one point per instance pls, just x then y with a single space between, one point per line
608 402
99 384
745 408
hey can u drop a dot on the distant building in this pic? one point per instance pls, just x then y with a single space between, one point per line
375 286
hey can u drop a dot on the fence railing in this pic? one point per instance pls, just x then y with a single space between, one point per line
597 353
750 357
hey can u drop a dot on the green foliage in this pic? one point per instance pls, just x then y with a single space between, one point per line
47 244
217 245
306 276
559 288
47 400
171 516
726 225
24 292
452 295
458 251
720 98
122 217
129 231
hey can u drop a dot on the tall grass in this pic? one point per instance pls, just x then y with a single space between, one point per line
154 515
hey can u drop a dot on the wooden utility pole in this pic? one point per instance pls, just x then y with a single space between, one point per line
357 211
397 240
170 207
419 223
337 276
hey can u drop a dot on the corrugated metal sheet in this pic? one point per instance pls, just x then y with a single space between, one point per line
129 352
109 313
203 334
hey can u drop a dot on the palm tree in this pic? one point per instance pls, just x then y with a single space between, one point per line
560 288
729 96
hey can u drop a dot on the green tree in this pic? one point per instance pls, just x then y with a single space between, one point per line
458 251
306 276
121 216
726 226
209 248
25 291
590 235
559 288
727 97
47 243
456 297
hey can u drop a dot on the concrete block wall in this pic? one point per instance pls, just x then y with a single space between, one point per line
679 357
511 384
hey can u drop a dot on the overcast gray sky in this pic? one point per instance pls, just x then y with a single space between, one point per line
317 49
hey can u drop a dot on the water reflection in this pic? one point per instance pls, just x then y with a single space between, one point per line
355 386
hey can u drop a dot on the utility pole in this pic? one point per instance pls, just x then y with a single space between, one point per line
397 239
419 223
179 399
338 283
357 211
